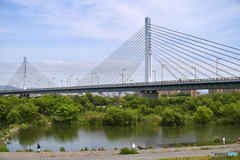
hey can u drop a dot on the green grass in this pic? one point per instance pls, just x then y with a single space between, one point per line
126 150
205 148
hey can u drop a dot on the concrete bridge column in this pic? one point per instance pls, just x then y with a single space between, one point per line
25 95
148 94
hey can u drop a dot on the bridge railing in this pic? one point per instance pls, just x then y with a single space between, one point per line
144 83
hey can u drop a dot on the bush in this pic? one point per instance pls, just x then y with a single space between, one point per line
115 148
140 147
93 149
4 149
62 149
178 145
165 146
202 115
126 150
46 150
86 149
30 150
217 140
82 150
150 147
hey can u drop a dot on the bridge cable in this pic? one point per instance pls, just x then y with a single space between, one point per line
197 37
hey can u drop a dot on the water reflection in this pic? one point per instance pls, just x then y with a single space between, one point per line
75 137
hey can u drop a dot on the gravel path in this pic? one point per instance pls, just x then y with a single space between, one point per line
113 154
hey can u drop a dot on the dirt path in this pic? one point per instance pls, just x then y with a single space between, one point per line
150 154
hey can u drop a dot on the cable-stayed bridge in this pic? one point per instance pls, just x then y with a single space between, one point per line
193 63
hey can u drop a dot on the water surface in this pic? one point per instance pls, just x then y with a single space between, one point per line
73 138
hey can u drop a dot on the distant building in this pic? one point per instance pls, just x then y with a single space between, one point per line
168 93
213 91
193 93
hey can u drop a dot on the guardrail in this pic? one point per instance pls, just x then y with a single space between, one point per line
142 83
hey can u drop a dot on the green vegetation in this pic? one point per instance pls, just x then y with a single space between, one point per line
150 147
4 149
177 110
115 148
126 150
93 149
86 149
47 150
62 149
178 145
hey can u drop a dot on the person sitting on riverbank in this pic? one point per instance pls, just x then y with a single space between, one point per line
38 148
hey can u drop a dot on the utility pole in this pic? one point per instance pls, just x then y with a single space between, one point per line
67 82
98 79
217 66
162 70
78 81
70 79
195 71
62 83
92 78
52 81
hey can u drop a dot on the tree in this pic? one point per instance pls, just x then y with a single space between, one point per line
232 112
67 112
144 110
13 116
202 115
28 112
90 97
172 118
117 116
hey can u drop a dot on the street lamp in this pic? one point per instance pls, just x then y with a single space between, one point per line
154 74
67 82
70 79
131 80
195 71
92 78
38 82
27 84
162 70
52 81
217 65
98 79
48 84
62 83
78 81
123 74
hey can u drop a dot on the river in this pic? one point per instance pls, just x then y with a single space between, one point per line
73 138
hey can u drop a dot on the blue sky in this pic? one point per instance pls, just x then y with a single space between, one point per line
70 37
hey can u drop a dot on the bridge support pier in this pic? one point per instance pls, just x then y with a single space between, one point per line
148 94
25 95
